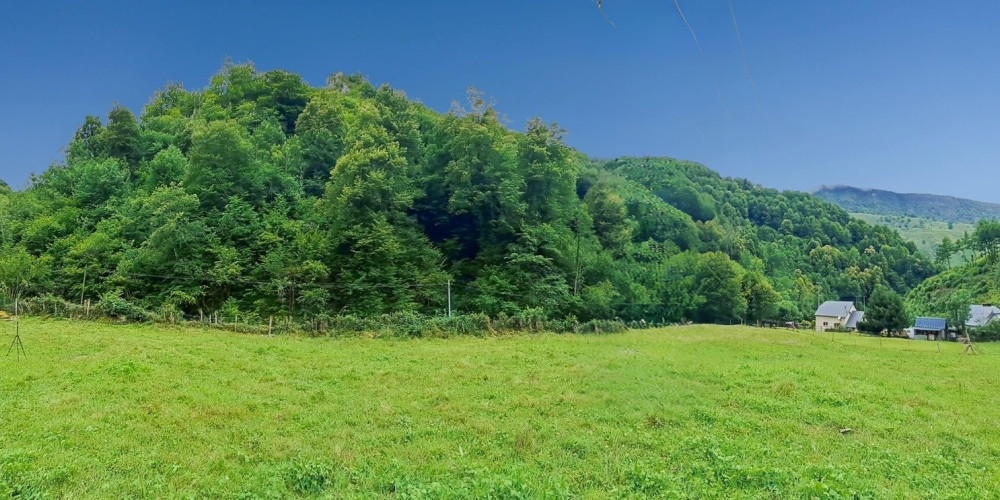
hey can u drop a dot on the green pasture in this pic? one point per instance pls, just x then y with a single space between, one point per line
100 410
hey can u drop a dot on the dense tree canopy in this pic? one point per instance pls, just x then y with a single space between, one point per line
263 195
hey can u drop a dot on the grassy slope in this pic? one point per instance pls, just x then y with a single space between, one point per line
103 410
925 233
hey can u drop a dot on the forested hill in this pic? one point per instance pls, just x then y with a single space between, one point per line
874 201
261 195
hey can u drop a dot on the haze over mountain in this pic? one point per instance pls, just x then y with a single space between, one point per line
930 206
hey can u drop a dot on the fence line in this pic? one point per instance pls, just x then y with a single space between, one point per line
244 322
870 342
278 287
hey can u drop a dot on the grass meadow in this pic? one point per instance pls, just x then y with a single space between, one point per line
925 233
101 410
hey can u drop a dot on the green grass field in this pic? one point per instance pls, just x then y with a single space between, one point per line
102 410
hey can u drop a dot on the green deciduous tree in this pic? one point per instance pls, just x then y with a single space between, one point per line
384 263
761 298
169 166
986 238
120 139
718 281
86 141
611 223
221 165
20 272
945 250
956 309
95 181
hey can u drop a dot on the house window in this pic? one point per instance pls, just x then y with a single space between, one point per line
835 325
826 324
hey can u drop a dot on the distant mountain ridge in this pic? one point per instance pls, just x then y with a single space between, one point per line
931 206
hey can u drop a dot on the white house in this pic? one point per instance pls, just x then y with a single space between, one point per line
835 314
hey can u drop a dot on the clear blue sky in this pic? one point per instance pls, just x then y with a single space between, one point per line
901 95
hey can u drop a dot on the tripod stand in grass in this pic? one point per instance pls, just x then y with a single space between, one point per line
16 345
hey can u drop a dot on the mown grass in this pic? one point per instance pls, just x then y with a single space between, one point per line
697 411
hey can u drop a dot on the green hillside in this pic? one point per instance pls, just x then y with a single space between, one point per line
262 196
924 232
979 281
976 281
926 206
100 411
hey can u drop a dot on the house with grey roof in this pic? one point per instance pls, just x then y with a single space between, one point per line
834 314
855 318
980 315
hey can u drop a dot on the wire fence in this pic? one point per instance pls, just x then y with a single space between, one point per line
404 323
286 319
863 341
400 324
409 325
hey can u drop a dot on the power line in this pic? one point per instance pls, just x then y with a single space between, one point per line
718 91
690 29
743 52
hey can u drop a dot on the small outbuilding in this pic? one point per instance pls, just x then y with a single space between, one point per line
933 328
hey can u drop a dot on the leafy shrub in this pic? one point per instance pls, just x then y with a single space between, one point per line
465 324
230 308
532 319
412 325
169 313
113 305
350 323
51 305
409 324
988 333
601 326
405 324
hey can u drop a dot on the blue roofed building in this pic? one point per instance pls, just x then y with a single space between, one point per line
933 328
